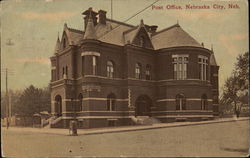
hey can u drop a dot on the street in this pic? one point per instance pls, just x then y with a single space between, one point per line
218 139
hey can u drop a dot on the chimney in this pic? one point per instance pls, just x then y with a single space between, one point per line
102 16
87 14
147 27
153 28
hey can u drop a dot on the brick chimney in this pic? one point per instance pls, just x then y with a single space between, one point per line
153 28
87 14
102 16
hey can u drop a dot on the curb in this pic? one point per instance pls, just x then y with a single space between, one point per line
166 126
138 128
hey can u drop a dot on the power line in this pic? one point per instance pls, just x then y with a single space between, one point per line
130 17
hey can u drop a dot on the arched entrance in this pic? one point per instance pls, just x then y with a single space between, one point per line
142 106
58 105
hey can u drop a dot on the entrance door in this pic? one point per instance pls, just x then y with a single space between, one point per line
143 104
58 105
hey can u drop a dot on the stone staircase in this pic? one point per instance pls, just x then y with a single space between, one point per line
144 120
52 121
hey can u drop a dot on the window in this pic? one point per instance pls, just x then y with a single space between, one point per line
180 102
204 102
138 71
203 67
94 65
63 72
53 74
110 69
111 102
66 71
83 61
148 72
79 108
180 66
142 41
64 43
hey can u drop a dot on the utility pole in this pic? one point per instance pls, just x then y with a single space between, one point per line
7 100
111 9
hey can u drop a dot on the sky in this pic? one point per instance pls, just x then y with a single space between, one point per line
33 27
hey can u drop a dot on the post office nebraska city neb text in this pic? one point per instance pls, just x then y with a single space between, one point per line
111 76
190 6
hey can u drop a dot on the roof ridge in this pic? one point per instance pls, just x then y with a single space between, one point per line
129 30
119 22
76 30
168 28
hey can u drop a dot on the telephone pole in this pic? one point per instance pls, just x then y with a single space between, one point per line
111 9
7 100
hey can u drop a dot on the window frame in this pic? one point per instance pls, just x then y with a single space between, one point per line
180 66
203 67
148 72
110 69
94 65
111 102
138 71
180 102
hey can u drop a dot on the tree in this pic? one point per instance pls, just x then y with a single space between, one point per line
235 89
14 97
33 100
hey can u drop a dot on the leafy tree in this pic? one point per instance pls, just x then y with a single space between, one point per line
235 89
33 100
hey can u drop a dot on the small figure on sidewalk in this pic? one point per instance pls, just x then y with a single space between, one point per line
73 128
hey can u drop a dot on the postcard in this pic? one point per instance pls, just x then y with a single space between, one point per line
124 78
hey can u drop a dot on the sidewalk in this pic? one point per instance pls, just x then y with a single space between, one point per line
119 129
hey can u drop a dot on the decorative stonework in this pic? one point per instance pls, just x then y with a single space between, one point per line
90 88
90 53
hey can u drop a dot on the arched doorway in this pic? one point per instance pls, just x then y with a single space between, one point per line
142 106
58 105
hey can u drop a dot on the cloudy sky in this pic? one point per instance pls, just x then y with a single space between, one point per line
33 26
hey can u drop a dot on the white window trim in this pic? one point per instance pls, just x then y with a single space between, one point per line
180 73
203 71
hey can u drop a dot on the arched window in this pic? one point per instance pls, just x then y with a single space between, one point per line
204 102
79 108
180 102
148 72
110 69
142 41
138 70
111 102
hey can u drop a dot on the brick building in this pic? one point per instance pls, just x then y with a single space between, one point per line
112 73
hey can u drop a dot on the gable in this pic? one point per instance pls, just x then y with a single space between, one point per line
64 41
142 39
